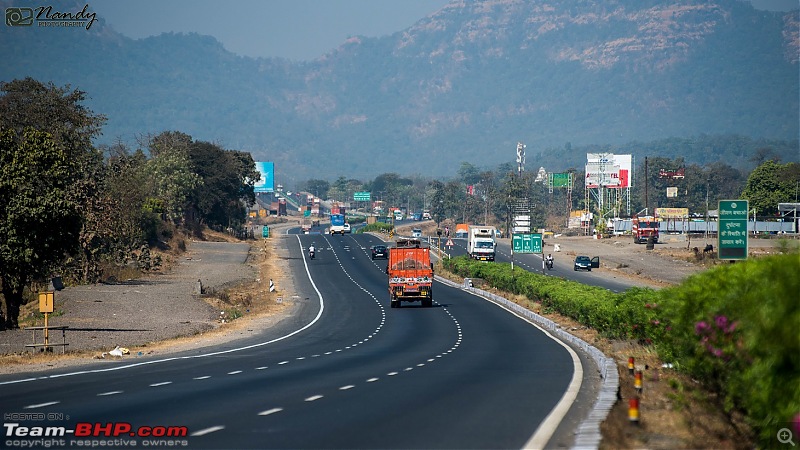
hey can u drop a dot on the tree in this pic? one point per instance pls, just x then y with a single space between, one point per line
227 178
27 105
771 183
39 219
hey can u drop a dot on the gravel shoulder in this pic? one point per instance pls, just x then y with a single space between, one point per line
161 313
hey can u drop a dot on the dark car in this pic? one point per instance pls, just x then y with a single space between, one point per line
379 251
583 262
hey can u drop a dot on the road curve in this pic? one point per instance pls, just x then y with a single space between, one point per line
345 372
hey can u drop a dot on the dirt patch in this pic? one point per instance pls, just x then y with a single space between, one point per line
237 302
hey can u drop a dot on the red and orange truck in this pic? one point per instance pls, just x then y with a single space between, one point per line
410 273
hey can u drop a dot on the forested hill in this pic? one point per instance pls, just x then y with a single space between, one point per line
464 84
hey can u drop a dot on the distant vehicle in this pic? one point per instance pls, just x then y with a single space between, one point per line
462 230
398 215
416 232
347 228
426 215
480 244
644 228
584 262
379 251
337 224
410 273
417 216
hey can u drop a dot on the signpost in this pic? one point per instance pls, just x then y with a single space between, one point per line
732 235
362 196
527 243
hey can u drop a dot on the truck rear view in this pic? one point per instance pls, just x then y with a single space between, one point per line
410 273
337 224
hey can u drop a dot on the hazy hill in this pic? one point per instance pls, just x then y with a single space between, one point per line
464 84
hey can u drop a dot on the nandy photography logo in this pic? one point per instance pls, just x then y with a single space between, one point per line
46 16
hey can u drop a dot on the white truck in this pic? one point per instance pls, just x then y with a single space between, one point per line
480 242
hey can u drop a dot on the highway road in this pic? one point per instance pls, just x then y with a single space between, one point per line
562 265
345 371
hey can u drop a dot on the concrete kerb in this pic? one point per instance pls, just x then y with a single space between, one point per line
588 434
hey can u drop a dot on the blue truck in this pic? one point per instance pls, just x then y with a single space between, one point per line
337 224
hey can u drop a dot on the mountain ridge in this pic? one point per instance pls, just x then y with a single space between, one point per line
463 84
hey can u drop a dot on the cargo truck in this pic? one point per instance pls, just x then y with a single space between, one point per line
480 242
337 224
410 273
645 228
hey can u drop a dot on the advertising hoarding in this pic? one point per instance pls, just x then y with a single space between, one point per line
267 182
608 170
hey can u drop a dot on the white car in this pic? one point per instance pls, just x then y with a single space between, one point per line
346 227
416 232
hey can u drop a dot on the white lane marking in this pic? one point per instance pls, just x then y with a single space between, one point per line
372 380
163 383
261 368
407 369
234 372
314 398
270 411
283 362
103 394
301 358
204 377
391 374
421 365
205 431
204 355
40 405
345 388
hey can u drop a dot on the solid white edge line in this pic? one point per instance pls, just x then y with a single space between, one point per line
260 344
548 426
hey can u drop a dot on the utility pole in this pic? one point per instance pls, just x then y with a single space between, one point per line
646 198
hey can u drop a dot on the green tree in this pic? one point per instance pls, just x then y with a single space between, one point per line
39 219
227 178
771 183
169 173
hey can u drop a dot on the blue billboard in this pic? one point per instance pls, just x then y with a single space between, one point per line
267 182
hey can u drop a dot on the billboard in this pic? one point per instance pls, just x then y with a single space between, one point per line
267 182
608 170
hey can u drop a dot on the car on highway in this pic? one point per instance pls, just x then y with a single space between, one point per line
379 251
347 228
416 232
583 262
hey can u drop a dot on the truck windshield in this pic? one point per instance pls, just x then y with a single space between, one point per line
484 244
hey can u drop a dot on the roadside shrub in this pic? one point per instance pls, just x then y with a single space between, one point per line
735 328
377 226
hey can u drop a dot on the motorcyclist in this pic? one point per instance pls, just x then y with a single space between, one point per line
549 260
311 251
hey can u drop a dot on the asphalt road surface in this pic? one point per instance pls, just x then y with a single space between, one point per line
346 371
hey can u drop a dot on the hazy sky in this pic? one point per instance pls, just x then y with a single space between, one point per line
294 29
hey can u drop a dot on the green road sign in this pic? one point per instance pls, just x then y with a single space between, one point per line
362 196
560 180
307 213
265 231
527 243
732 235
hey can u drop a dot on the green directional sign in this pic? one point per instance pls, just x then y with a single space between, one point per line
527 243
560 180
362 196
307 213
732 235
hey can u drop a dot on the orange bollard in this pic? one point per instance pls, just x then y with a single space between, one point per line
637 381
633 410
630 365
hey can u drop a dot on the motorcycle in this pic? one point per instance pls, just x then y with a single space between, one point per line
549 263
311 253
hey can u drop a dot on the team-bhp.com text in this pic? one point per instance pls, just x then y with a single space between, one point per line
123 434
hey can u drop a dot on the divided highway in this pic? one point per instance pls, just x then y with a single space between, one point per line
346 371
